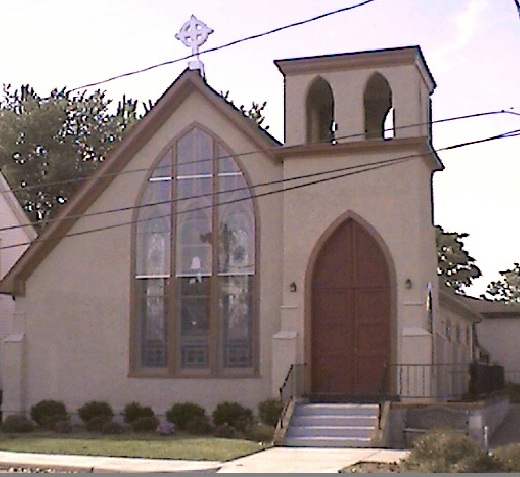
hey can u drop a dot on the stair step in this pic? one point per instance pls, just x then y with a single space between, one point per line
327 442
328 431
337 409
333 420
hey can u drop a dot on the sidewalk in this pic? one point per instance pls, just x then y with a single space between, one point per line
272 460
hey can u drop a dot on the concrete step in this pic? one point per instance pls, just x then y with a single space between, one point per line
328 431
326 442
324 409
333 420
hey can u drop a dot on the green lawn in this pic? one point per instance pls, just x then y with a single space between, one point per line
131 445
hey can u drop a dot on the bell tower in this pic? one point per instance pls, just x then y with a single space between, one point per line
372 95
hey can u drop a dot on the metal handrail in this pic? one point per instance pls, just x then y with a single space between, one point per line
289 383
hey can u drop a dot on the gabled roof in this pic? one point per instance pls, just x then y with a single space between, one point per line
187 83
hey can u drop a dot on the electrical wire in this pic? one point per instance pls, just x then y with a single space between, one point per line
225 45
373 166
246 153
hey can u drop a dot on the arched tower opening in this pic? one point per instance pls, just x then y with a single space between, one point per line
379 113
320 112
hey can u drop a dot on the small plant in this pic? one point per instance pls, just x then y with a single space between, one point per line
182 413
62 426
112 427
95 409
97 423
270 410
225 430
234 414
509 456
133 410
48 412
165 429
199 425
145 424
448 451
17 423
259 432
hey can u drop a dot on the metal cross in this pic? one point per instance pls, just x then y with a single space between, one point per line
193 34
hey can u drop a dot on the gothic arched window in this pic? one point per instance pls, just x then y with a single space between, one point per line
194 264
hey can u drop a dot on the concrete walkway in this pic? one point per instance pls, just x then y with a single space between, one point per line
272 460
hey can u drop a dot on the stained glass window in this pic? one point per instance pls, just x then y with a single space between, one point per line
194 262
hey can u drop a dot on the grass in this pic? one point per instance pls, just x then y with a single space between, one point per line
150 446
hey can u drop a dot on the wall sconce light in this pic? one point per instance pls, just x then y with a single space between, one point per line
408 283
292 287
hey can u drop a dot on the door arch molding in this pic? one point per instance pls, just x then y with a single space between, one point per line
308 283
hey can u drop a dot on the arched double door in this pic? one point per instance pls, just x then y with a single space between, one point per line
351 315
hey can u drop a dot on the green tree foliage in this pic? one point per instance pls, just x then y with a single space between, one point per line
255 112
454 264
507 289
48 144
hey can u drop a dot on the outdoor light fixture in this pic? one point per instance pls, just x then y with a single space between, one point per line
292 287
408 283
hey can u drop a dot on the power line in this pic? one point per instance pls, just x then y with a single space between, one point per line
247 153
367 167
225 45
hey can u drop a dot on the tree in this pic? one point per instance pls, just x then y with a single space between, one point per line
507 289
48 144
454 264
255 112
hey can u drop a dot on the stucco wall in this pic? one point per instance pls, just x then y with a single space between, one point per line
77 303
500 337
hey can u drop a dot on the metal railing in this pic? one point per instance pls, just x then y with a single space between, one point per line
431 381
292 387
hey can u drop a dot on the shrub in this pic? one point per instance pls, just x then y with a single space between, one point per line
269 411
225 430
509 456
199 425
133 410
92 409
17 423
145 424
47 412
182 413
448 451
234 414
97 423
259 432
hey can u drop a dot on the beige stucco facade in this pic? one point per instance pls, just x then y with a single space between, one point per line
73 292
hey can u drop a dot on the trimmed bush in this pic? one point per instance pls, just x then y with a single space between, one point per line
269 411
165 429
449 451
95 409
17 423
48 412
133 410
234 414
145 424
112 427
182 413
199 425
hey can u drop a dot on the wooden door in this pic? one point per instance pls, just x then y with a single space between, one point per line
351 314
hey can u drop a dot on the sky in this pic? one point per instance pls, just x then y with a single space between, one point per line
471 47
